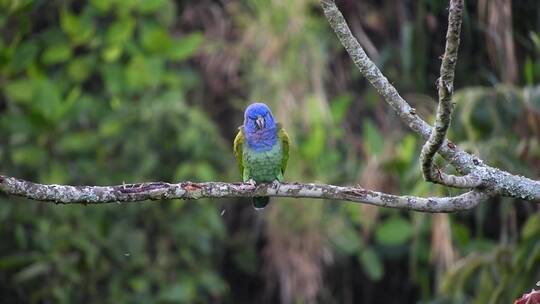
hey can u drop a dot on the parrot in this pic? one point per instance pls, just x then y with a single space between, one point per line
261 148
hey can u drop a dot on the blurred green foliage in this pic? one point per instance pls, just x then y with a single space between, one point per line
96 93
107 92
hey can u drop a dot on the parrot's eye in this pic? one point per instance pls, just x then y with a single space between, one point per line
252 117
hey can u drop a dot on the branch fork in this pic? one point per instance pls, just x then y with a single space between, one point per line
477 175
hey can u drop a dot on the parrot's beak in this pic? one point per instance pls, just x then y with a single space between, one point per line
260 122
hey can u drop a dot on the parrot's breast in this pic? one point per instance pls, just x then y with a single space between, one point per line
263 166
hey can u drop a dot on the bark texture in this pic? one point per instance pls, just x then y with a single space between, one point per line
64 194
445 86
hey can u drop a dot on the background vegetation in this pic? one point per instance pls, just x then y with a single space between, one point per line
112 91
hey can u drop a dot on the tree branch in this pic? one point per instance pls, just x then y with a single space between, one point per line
64 194
492 181
482 176
444 110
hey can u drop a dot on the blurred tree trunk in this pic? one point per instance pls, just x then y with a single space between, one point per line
497 17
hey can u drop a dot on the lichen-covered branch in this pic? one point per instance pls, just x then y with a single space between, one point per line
445 86
64 194
470 180
481 175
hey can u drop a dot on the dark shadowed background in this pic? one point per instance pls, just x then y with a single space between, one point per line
111 91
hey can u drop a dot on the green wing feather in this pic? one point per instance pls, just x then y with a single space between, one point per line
238 149
284 137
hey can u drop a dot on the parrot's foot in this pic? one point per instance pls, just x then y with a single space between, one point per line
251 182
276 184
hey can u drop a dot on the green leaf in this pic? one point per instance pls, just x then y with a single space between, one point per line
371 264
139 283
185 47
103 5
481 245
460 233
339 107
23 56
143 72
212 282
113 74
56 53
146 7
155 39
314 145
531 227
373 140
16 260
394 231
32 271
57 174
347 240
80 29
203 171
407 148
48 100
20 90
78 142
14 6
80 68
179 292
69 22
28 156
120 31
110 128
112 53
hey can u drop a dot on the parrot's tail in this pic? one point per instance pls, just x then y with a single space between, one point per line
260 202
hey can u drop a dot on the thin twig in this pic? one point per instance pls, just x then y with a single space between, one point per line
65 194
445 86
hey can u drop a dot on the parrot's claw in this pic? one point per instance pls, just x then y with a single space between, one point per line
251 182
276 184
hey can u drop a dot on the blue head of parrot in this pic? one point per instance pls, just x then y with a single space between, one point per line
260 127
